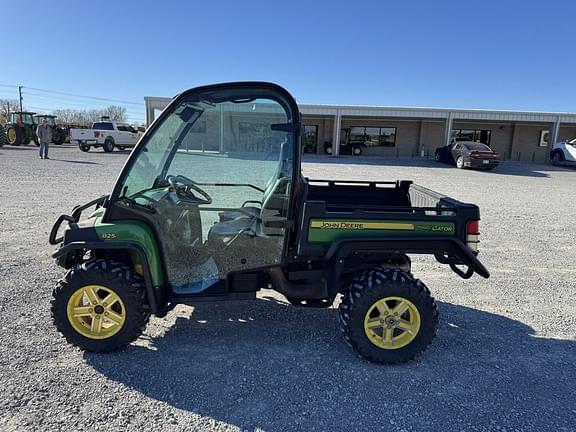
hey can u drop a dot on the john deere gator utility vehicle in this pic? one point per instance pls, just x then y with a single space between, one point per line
211 205
21 129
58 133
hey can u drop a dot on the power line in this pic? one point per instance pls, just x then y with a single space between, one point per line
84 96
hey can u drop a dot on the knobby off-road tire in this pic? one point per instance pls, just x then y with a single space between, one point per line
388 290
81 313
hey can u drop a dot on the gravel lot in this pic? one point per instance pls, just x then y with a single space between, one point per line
504 358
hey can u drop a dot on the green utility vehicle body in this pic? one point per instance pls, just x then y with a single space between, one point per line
211 205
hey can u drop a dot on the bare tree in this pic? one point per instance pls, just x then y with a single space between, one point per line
88 116
115 112
8 106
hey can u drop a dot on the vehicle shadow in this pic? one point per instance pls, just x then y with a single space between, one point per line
75 161
514 168
265 365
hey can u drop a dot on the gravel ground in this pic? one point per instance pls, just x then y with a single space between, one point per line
503 360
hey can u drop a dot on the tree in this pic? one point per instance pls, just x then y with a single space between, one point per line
115 112
88 116
8 106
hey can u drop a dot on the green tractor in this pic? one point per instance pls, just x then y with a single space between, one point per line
21 129
58 133
184 226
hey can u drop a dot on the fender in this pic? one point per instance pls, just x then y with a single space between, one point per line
133 236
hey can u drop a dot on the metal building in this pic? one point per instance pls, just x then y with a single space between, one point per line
417 132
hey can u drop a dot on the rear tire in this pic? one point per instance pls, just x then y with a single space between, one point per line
108 145
2 136
14 135
80 311
437 157
387 316
460 162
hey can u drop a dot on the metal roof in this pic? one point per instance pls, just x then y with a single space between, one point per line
416 112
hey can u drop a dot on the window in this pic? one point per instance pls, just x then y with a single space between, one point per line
544 134
370 136
103 126
477 135
310 139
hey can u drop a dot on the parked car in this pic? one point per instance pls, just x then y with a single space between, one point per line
564 151
105 134
468 154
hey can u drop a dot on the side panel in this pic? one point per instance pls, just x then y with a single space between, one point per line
134 232
330 230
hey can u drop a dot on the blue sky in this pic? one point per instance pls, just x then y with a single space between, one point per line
516 55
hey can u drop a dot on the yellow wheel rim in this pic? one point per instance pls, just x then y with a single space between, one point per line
96 312
12 135
392 323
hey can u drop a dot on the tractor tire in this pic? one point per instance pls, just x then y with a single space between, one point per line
387 316
437 157
2 136
58 137
460 162
14 135
85 148
108 145
100 306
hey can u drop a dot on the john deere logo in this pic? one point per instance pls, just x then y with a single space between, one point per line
341 225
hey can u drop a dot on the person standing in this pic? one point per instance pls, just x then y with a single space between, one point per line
44 134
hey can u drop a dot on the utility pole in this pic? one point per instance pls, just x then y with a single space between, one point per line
20 95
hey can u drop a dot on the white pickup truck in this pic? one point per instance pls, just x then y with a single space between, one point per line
105 134
564 151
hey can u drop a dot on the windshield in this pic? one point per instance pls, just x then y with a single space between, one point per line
477 147
234 143
51 120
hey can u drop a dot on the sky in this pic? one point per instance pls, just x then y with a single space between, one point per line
506 54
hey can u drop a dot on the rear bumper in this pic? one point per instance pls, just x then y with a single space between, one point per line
481 163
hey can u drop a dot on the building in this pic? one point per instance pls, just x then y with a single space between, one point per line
417 132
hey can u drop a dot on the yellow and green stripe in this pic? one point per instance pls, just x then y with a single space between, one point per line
329 230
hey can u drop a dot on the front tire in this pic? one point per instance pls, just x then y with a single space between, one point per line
100 306
557 157
387 316
84 148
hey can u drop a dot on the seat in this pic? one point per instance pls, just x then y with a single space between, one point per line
249 219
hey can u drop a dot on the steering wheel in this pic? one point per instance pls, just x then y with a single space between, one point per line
186 185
